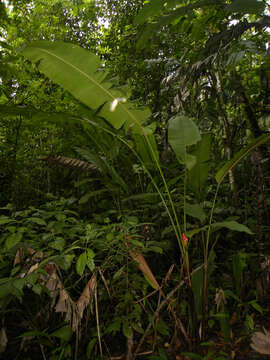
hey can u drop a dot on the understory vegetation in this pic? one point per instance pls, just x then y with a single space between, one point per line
135 179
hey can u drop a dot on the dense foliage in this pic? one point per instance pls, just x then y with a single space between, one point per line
134 147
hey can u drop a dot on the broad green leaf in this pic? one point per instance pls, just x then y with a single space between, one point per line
58 243
81 263
196 211
13 240
64 261
183 132
79 71
198 175
152 8
90 259
90 254
64 333
239 156
232 225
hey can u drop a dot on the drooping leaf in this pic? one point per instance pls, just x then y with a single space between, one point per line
239 156
232 225
78 71
183 132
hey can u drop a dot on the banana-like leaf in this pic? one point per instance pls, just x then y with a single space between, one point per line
239 156
183 132
79 71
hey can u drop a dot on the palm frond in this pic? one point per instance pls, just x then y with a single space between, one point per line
70 162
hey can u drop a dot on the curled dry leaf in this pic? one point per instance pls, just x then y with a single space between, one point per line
220 298
143 266
261 342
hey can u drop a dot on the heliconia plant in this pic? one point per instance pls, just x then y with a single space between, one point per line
82 74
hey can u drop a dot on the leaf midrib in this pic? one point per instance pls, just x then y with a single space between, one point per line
90 79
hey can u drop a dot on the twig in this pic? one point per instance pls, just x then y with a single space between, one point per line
98 328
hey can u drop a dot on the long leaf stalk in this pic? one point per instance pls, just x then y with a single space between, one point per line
205 265
106 99
175 224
